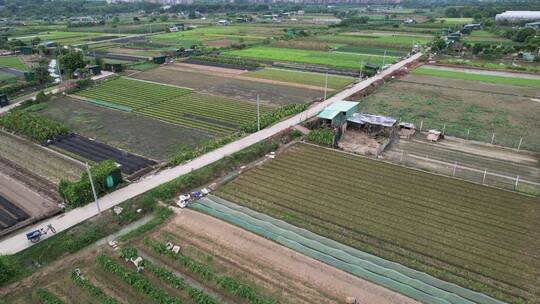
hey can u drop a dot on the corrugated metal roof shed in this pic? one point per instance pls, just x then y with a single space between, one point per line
372 119
328 114
342 106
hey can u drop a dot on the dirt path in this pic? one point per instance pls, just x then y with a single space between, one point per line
268 254
483 72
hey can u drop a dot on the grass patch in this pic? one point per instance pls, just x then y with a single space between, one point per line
13 62
477 77
344 61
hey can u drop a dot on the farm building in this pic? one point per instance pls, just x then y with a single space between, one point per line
368 134
534 25
518 16
337 113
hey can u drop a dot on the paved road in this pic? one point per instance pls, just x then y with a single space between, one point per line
18 242
15 102
483 72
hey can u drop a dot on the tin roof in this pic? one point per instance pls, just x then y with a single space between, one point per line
328 114
361 118
342 106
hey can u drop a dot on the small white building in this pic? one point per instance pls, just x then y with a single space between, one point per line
223 22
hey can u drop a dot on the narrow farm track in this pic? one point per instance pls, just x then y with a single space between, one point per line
477 237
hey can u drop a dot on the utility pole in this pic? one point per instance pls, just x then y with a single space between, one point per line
325 85
361 69
93 188
258 114
383 58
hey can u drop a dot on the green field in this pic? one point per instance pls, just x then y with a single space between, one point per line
389 40
478 77
467 109
456 20
314 79
477 237
6 77
339 60
198 35
13 62
175 105
132 93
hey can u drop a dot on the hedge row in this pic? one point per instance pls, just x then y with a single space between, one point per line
191 152
231 285
33 126
136 280
274 116
170 278
47 298
79 193
228 60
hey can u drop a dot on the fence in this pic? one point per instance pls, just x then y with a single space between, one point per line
485 176
494 138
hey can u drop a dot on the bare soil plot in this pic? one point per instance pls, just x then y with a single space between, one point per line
478 237
46 164
213 255
290 276
461 107
135 133
221 83
20 205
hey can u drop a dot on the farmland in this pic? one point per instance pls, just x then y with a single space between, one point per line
13 62
46 164
135 133
132 94
216 115
339 60
207 270
226 83
478 77
462 107
314 79
452 234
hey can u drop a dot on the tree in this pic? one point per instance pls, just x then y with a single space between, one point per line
438 44
136 19
42 73
41 97
524 33
72 61
451 12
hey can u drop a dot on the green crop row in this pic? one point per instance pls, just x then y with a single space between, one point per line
478 77
137 281
274 116
133 93
170 278
47 298
323 136
360 202
231 285
94 291
33 126
228 60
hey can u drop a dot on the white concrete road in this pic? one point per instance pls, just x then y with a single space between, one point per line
17 241
17 101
